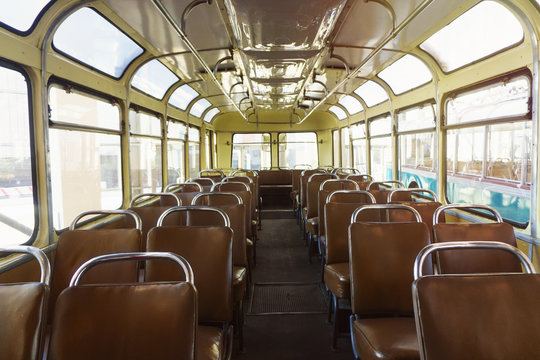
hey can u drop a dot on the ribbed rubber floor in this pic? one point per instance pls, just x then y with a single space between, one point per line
287 298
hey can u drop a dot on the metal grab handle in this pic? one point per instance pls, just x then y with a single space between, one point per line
226 221
199 195
338 180
235 179
389 198
221 173
334 176
369 177
315 171
442 208
171 186
216 185
178 200
234 172
397 182
44 265
341 171
368 194
454 245
386 207
136 256
133 214
308 167
204 179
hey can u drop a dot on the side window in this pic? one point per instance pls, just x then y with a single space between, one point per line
18 217
85 154
251 151
176 145
194 148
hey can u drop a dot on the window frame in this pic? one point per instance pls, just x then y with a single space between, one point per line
248 133
88 66
32 140
297 132
444 128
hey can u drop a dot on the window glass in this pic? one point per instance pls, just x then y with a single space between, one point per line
176 130
405 74
372 93
417 150
145 164
509 152
210 114
380 126
86 171
81 109
198 108
353 105
21 15
499 100
359 155
182 96
154 79
207 146
175 159
17 213
194 146
358 131
416 118
91 39
345 148
336 110
251 151
488 27
144 124
298 148
335 141
381 158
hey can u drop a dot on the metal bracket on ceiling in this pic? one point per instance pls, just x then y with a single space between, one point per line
215 69
241 101
388 8
234 85
188 9
342 60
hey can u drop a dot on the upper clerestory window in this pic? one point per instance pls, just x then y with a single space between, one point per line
182 96
372 93
21 16
352 104
336 110
484 30
88 37
198 108
406 74
154 79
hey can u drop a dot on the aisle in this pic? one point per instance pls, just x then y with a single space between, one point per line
286 319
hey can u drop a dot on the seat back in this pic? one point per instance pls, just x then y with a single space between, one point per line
343 172
122 321
150 214
244 192
252 188
474 261
232 205
304 177
313 186
215 174
208 249
381 258
337 219
254 176
205 182
23 311
381 189
327 187
406 197
363 180
186 192
477 316
75 247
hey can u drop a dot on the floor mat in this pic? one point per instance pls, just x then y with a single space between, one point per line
287 298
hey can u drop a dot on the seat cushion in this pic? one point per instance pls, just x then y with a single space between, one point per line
239 283
209 344
337 277
312 226
385 338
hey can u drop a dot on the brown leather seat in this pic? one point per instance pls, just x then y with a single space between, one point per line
336 271
254 194
381 260
478 316
208 249
123 321
205 182
406 197
23 310
75 247
475 261
304 177
363 180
